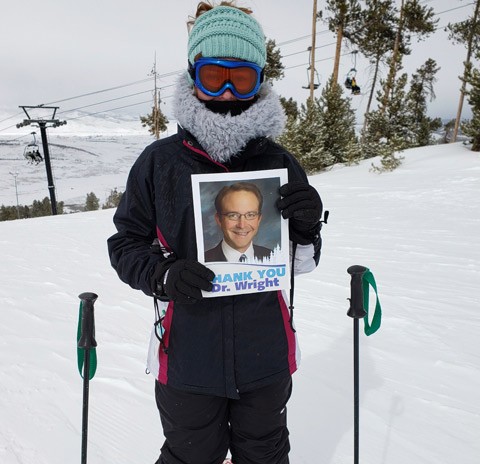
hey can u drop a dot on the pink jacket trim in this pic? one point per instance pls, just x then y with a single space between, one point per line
292 359
205 155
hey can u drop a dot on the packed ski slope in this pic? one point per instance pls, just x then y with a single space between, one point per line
416 228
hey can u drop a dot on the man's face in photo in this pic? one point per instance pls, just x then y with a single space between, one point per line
239 219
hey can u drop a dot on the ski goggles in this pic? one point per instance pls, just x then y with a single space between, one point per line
214 76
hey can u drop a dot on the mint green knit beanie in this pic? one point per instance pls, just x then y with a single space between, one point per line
227 32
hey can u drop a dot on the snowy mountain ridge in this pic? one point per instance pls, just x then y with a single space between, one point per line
87 148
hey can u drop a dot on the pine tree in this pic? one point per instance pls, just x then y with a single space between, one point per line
8 213
404 122
44 208
290 107
274 69
466 32
448 131
288 137
375 38
92 203
156 121
38 208
339 141
113 199
375 146
421 91
25 212
310 138
389 161
413 20
388 132
471 128
398 127
344 21
303 137
324 132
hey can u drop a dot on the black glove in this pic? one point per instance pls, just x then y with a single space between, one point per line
301 204
182 281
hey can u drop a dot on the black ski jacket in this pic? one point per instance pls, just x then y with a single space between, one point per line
218 346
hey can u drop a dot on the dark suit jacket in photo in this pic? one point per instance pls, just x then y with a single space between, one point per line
216 253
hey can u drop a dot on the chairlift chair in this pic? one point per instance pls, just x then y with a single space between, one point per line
351 82
32 153
316 83
351 77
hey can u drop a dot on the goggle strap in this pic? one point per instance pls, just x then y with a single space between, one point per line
191 71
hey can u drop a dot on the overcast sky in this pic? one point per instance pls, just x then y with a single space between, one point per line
52 50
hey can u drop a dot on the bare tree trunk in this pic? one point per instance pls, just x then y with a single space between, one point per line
464 83
393 64
338 50
372 91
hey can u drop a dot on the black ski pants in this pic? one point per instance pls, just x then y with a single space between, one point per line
200 429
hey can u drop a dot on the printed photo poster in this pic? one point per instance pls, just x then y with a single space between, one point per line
241 235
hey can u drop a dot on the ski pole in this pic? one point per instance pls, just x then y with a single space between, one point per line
356 311
361 281
87 343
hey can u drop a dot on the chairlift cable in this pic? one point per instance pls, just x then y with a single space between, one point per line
14 140
114 99
452 9
9 127
179 71
97 92
11 117
104 101
286 42
303 51
168 74
111 109
316 61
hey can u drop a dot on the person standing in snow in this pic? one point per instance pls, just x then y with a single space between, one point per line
222 365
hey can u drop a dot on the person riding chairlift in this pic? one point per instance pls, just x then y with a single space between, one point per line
354 86
351 82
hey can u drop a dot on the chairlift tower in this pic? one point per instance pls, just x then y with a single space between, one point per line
42 123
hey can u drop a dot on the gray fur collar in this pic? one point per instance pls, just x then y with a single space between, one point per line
223 136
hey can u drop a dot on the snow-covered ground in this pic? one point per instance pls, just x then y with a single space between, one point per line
416 228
